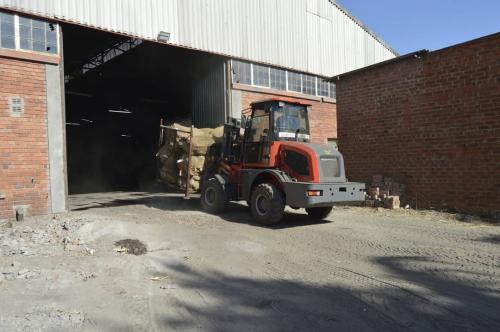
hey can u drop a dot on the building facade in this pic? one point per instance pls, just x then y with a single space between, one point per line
430 120
60 58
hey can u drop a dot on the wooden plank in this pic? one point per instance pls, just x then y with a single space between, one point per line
189 161
176 129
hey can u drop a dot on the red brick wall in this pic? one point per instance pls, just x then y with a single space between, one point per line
24 178
322 118
432 123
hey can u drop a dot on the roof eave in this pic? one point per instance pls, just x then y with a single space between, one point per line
417 55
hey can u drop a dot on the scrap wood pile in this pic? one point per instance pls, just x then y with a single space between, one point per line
173 155
385 192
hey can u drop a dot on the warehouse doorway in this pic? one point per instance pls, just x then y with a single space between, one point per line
116 90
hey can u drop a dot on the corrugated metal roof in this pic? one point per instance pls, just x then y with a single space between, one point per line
314 36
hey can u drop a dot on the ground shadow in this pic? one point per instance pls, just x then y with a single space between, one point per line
215 301
235 212
467 303
493 239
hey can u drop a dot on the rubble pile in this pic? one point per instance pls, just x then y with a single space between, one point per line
27 241
385 192
173 155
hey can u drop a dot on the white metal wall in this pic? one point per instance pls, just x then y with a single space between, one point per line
314 36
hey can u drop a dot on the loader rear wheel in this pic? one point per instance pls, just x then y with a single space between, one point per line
267 204
319 213
213 197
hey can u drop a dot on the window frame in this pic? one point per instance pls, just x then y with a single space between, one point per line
317 80
17 36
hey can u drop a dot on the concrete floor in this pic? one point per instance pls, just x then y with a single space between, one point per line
362 269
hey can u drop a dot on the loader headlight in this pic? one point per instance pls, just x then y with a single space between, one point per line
314 193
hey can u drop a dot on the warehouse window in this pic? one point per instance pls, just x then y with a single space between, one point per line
242 72
278 79
323 88
7 31
37 35
281 79
261 75
333 91
294 82
309 84
18 32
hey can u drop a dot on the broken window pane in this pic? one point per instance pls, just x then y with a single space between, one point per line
37 35
242 72
323 88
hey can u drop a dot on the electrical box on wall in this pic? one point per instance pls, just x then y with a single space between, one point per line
16 106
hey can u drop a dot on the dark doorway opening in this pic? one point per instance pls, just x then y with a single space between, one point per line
117 89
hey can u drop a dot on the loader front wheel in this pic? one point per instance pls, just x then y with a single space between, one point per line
213 197
267 204
319 213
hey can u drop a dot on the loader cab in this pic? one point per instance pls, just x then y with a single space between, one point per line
274 120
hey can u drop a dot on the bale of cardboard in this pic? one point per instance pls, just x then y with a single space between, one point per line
173 155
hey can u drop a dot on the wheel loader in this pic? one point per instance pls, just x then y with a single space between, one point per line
268 161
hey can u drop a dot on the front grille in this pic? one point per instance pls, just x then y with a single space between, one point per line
330 167
297 163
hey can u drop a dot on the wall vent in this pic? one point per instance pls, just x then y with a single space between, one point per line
16 106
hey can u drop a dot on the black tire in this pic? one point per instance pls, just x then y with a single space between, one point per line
213 197
319 213
267 204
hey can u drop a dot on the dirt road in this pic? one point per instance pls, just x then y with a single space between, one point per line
361 270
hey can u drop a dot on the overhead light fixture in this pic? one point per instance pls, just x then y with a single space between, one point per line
122 111
163 36
72 124
80 94
87 120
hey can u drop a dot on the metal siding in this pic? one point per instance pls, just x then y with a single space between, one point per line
209 98
289 33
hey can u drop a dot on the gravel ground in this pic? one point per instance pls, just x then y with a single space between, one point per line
362 269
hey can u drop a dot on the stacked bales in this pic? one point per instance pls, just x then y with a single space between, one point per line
173 155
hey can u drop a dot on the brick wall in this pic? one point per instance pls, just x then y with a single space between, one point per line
432 123
322 118
24 178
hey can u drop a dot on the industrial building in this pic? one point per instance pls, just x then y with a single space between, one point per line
84 83
430 120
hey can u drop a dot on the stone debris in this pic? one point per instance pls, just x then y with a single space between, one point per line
158 278
27 241
385 192
169 287
48 319
130 246
88 276
89 251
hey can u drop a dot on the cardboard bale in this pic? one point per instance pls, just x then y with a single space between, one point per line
173 155
392 202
